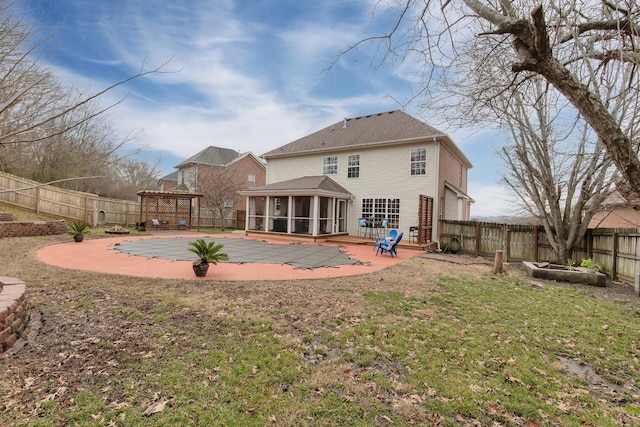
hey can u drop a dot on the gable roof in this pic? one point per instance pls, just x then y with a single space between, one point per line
375 129
321 185
212 156
250 155
173 176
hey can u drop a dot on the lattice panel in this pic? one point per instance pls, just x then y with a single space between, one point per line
425 219
172 212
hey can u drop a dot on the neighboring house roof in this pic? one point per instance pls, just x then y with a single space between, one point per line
212 156
616 217
307 185
173 176
614 199
181 188
615 212
251 155
392 127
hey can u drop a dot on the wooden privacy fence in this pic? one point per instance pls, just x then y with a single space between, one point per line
616 250
54 201
76 205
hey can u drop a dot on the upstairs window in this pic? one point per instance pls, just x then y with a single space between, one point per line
353 166
251 180
330 165
418 161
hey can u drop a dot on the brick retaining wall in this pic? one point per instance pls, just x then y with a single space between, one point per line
14 311
32 228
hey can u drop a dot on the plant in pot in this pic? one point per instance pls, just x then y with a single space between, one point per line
207 252
78 229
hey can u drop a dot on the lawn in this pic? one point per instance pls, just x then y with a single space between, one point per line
426 342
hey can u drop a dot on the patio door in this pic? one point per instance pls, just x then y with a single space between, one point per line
341 216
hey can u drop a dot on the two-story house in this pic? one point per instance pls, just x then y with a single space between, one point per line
245 169
388 166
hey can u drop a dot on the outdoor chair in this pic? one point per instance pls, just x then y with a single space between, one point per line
155 223
389 246
182 224
393 235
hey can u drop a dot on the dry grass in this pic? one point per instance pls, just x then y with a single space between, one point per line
425 342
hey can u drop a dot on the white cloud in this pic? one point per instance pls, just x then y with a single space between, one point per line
246 84
492 200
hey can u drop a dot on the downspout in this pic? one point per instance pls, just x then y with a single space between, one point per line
436 198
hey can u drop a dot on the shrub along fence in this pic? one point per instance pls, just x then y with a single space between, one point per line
615 249
76 205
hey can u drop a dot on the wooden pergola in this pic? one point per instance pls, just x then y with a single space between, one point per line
171 210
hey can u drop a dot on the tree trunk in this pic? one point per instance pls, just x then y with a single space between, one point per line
617 143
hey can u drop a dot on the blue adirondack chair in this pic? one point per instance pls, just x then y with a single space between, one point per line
389 246
393 235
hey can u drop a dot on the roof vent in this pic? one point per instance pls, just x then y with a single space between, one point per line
344 123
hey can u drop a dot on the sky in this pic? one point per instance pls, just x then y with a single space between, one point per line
241 74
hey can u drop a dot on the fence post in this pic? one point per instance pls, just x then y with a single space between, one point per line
505 239
38 199
614 267
589 243
497 262
477 239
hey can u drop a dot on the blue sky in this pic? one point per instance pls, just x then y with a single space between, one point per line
247 75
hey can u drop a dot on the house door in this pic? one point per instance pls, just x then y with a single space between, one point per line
341 216
425 219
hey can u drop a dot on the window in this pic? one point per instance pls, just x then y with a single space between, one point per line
228 203
380 209
251 180
418 161
367 208
330 165
277 204
353 166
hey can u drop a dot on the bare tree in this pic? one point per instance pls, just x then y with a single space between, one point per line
220 186
555 164
588 50
50 132
133 175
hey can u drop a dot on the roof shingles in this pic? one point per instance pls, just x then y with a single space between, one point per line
213 156
365 130
306 184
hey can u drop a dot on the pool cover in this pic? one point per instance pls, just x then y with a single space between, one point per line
241 251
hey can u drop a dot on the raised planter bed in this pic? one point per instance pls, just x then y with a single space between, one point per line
545 270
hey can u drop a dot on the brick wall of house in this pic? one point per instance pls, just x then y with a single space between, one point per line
242 168
14 312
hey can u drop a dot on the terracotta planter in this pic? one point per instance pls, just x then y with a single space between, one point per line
200 269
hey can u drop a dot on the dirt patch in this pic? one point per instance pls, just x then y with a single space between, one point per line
596 383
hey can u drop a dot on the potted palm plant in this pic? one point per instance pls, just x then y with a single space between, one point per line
78 229
207 252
